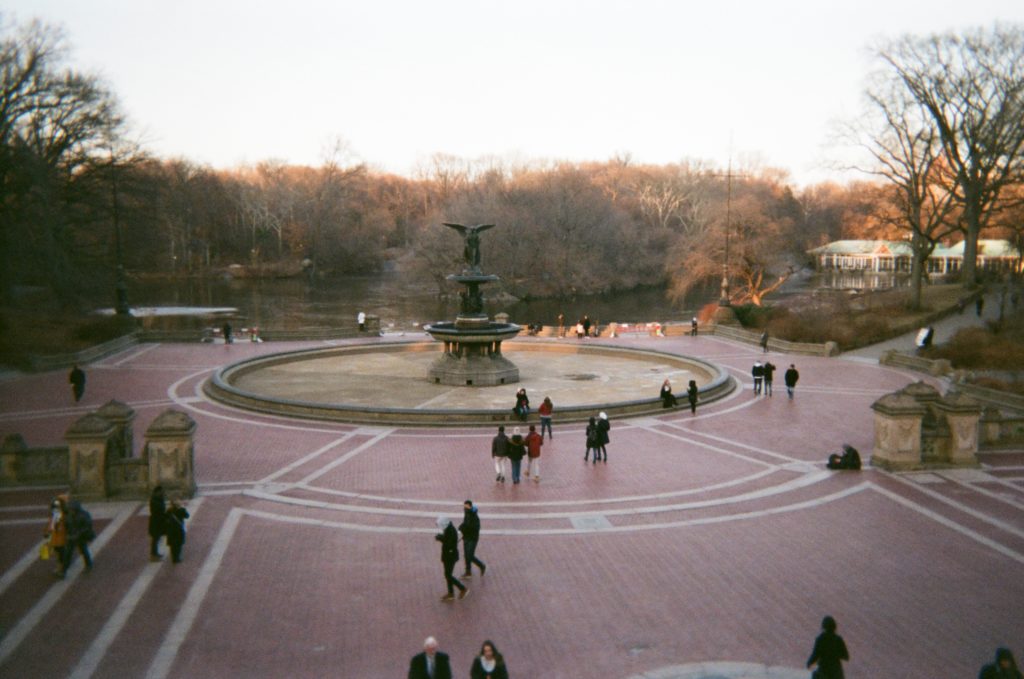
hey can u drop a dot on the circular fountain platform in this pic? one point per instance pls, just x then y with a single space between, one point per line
385 383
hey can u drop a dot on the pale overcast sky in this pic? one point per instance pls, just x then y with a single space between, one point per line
226 82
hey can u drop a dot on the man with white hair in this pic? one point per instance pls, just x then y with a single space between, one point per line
431 663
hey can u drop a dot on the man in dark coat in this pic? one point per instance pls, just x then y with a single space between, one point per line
449 540
470 529
791 377
431 663
157 522
829 651
499 453
80 534
769 376
175 525
1005 667
603 427
757 372
77 379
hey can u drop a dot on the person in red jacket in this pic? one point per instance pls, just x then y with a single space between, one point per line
545 410
533 443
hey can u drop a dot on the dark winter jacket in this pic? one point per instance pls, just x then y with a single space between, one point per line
79 524
157 515
791 377
449 540
603 426
499 445
829 650
176 525
516 447
470 526
477 670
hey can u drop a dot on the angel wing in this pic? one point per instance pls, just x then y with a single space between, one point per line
458 227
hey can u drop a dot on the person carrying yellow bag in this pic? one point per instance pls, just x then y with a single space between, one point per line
57 532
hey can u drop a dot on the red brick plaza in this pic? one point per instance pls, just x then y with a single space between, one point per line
709 545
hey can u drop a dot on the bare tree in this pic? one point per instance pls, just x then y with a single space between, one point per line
972 86
907 151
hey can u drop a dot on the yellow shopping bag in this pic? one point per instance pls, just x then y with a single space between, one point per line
44 551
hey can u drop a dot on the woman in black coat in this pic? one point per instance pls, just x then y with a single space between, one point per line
157 522
691 395
668 399
829 651
489 664
176 516
449 540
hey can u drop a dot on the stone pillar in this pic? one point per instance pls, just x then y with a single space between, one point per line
89 439
13 446
169 447
501 317
122 417
923 393
897 431
991 421
964 416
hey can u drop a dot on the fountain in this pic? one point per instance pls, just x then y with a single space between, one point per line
472 344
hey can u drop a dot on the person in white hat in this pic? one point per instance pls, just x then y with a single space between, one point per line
603 426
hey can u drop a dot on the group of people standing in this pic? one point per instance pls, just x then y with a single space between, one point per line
598 438
764 376
509 452
69 529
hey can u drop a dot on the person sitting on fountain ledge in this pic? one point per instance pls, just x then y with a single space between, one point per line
522 408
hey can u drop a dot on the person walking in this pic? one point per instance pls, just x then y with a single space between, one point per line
431 663
764 341
769 376
545 410
586 325
791 377
470 529
175 524
593 440
693 327
227 333
603 439
489 664
361 321
57 531
516 453
691 396
534 441
449 540
77 379
579 330
829 651
80 534
157 522
1005 667
499 454
757 372
668 399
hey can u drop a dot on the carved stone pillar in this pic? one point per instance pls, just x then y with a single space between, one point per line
13 447
169 447
897 431
963 414
123 418
89 438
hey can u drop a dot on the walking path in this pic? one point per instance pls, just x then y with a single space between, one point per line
709 545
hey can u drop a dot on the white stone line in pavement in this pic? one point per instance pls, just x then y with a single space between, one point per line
347 456
106 360
36 614
731 442
980 490
93 655
981 516
306 458
71 410
722 670
550 503
782 488
24 522
183 621
19 567
701 444
799 506
949 523
144 350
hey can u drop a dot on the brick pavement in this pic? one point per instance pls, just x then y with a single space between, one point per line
709 545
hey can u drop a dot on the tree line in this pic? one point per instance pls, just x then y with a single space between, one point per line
77 196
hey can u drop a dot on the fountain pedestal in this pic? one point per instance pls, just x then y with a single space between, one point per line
472 344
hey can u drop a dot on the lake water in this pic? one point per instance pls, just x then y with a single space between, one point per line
295 303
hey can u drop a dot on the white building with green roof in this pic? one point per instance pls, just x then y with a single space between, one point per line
889 256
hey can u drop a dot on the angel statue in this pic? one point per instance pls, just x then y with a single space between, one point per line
471 252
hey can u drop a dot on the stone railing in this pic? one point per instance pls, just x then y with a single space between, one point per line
775 344
93 353
899 359
98 460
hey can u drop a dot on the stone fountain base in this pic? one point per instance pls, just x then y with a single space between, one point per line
472 353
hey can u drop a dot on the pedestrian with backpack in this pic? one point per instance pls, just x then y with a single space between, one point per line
80 534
